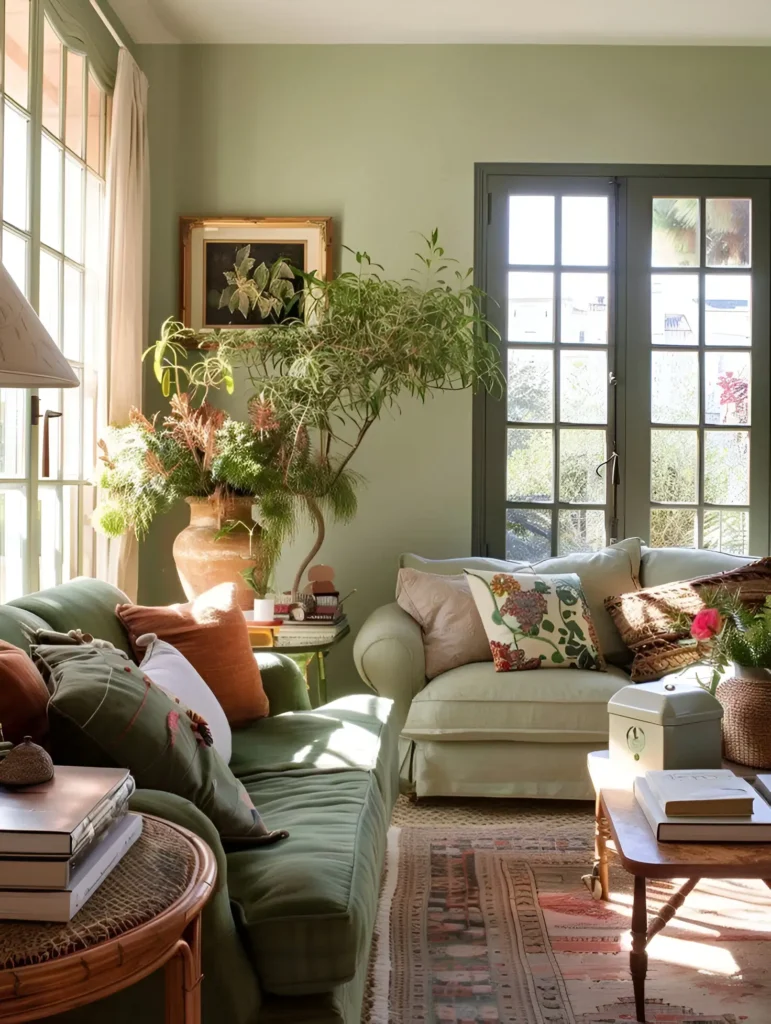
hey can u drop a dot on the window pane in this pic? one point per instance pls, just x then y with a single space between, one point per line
531 229
674 466
17 50
95 325
583 387
528 534
73 209
530 465
15 185
585 231
728 232
94 126
584 309
51 193
73 312
675 234
52 81
728 309
88 392
15 258
13 432
531 386
727 531
72 442
531 307
727 467
582 452
71 532
13 541
73 133
727 387
675 309
675 387
673 528
50 295
581 529
50 536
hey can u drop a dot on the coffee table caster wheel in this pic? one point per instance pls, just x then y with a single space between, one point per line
593 883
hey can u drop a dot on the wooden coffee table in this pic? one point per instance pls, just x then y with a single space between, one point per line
621 820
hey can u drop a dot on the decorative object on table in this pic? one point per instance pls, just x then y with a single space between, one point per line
664 725
142 727
321 582
211 632
232 267
735 637
315 384
705 828
170 669
27 764
62 903
145 915
435 880
23 696
535 621
654 623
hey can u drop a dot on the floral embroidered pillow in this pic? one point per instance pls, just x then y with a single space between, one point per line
536 621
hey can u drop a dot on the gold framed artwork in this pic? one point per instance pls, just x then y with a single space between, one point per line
209 250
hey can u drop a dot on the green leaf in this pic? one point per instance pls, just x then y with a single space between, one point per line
541 588
547 626
496 618
557 658
566 595
284 271
229 383
166 382
234 301
226 296
243 304
242 254
260 277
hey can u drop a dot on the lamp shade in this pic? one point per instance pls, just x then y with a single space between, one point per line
29 357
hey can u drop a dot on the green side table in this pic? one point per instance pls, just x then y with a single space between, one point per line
305 655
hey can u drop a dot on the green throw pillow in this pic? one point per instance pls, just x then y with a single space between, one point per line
105 711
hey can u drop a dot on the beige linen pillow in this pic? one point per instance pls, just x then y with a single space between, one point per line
443 607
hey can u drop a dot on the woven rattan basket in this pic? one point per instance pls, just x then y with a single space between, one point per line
746 701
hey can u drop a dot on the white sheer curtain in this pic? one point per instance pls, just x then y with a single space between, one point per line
128 197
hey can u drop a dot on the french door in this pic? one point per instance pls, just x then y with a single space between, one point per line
633 314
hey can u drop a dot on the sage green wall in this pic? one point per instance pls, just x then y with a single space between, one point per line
384 139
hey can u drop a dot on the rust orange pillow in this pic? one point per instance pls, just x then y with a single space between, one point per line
23 696
211 633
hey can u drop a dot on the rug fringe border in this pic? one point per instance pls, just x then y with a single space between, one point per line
381 965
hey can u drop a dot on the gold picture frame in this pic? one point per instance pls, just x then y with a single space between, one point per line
208 246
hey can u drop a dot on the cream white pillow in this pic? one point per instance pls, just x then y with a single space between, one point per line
536 621
443 607
173 673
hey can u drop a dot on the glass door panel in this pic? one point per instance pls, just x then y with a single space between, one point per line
697 256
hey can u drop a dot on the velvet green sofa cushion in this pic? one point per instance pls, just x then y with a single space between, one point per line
106 711
359 731
12 624
85 604
307 905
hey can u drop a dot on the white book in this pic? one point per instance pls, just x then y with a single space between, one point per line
703 792
763 786
63 904
689 829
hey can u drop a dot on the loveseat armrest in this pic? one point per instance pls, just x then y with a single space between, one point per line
389 656
283 682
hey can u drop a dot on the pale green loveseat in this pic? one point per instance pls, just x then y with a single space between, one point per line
474 732
287 935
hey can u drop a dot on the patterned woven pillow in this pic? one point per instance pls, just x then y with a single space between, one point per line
644 617
536 621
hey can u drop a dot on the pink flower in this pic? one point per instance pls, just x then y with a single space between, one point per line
706 624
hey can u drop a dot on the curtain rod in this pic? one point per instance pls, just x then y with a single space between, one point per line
109 26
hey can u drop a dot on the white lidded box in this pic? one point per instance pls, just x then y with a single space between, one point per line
664 725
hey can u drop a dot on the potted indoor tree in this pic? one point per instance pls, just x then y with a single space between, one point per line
353 347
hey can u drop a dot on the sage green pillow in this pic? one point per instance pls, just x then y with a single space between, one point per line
106 711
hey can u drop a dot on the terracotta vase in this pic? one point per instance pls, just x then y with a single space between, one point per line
746 700
203 562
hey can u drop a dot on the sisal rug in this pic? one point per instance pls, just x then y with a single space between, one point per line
494 924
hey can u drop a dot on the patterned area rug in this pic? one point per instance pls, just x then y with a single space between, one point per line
480 925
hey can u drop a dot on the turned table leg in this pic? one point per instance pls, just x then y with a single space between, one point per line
597 881
638 957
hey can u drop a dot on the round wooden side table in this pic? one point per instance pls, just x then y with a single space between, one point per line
145 915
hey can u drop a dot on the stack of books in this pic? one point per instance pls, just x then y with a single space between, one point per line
704 805
313 629
60 840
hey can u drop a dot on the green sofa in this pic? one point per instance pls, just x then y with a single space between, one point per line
286 937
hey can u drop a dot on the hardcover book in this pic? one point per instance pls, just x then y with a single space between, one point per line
669 828
701 792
